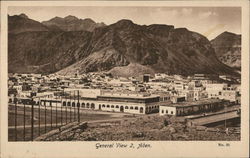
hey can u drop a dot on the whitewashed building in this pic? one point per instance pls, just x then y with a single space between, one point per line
214 90
96 99
189 108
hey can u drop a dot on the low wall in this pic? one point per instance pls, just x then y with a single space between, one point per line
62 129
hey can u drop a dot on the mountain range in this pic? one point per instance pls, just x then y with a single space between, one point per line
67 45
228 49
72 23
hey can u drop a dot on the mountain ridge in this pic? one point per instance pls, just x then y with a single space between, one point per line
72 23
227 48
22 23
115 48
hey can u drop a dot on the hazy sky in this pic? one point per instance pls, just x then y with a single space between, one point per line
209 21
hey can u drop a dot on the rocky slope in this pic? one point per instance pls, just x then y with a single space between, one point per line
116 48
72 23
227 48
21 23
154 48
44 52
145 128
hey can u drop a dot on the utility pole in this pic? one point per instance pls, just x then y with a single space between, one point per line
78 107
32 119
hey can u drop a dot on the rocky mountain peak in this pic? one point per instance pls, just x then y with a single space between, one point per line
124 23
227 48
227 35
21 23
145 49
24 16
71 18
160 29
160 26
88 20
72 23
55 19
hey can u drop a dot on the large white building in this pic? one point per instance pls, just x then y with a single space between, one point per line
189 108
231 94
214 90
107 101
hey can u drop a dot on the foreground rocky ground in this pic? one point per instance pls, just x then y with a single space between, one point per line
145 128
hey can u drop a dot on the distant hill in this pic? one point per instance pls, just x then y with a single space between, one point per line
227 48
72 23
117 48
22 23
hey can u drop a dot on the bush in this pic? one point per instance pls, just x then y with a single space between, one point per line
137 134
165 122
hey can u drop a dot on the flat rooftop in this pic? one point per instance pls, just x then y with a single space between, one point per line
128 96
195 103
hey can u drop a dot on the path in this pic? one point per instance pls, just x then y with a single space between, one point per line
54 124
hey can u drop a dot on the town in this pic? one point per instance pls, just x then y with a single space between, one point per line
42 103
161 93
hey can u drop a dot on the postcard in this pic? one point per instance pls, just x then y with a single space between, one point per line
124 79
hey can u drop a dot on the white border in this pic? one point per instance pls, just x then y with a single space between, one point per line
160 148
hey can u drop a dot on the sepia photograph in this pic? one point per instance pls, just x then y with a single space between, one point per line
110 74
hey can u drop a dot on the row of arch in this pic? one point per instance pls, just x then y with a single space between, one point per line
82 105
120 107
152 109
117 106
171 112
92 106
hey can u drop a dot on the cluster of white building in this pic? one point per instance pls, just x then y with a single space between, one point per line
172 95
